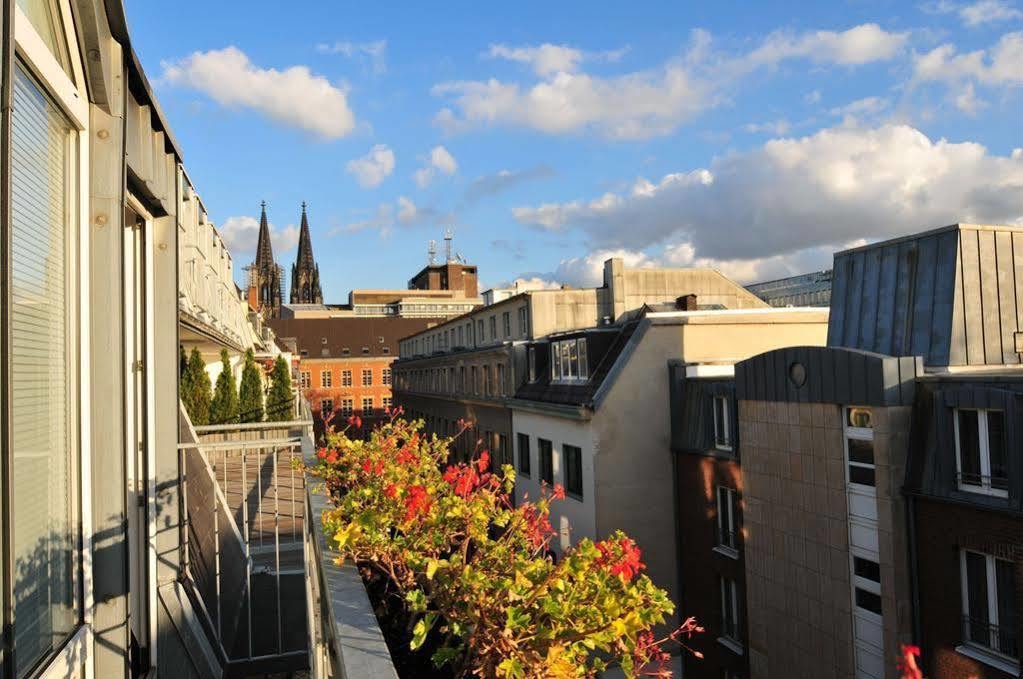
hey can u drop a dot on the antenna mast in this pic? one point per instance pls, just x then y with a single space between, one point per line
432 252
448 235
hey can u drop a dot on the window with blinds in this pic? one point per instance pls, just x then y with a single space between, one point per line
45 488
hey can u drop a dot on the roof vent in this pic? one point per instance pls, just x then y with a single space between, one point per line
686 303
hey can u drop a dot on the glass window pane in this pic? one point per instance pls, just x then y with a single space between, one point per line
868 601
996 447
865 568
969 447
42 14
573 358
44 485
861 451
861 475
976 592
1008 621
584 366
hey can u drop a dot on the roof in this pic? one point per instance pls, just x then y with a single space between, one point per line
603 350
379 335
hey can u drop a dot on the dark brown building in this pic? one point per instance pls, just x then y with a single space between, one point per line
708 504
447 276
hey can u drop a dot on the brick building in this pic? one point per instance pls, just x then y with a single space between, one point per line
345 363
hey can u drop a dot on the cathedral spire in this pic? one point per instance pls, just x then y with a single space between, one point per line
264 251
305 275
265 289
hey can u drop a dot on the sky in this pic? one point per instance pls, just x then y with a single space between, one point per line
755 138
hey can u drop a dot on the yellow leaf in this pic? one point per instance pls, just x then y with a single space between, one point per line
431 568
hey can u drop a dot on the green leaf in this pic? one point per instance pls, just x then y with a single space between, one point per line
511 667
444 655
431 568
421 629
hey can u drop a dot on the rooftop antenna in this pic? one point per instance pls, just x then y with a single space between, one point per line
432 252
448 235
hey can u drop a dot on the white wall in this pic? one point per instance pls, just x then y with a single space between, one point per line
572 518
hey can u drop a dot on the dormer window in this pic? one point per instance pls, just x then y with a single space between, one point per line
981 462
569 361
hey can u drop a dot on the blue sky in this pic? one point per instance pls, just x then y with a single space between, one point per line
753 137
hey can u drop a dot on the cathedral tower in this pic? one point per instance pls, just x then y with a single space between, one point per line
265 277
305 274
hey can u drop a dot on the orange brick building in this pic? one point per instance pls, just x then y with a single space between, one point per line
345 363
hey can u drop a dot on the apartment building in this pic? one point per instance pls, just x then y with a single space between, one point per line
99 224
344 364
596 416
467 367
882 488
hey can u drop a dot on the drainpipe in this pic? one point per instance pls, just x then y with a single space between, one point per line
6 449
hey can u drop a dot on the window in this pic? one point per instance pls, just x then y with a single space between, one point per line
859 446
866 583
573 456
387 376
506 323
326 407
386 402
569 362
502 449
346 378
493 327
524 461
546 461
323 341
347 407
306 379
523 322
531 358
500 379
367 377
367 405
990 616
730 628
475 380
487 388
365 350
42 368
727 518
722 424
345 351
326 379
479 331
981 462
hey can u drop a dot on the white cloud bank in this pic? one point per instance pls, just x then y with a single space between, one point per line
976 13
375 52
645 103
1001 66
295 96
791 195
241 233
373 168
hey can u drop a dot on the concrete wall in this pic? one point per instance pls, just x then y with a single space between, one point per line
726 337
560 310
632 288
572 518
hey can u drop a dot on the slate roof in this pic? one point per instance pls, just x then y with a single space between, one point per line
379 335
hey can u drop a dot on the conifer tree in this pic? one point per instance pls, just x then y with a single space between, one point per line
224 408
250 393
197 402
184 378
279 402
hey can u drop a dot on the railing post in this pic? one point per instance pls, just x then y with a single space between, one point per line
277 551
248 555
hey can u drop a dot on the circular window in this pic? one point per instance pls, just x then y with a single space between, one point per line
797 374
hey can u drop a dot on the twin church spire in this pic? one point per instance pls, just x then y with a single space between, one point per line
266 279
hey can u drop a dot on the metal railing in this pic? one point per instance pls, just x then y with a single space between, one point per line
242 547
999 638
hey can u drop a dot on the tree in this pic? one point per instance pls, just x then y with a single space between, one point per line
250 394
279 402
224 407
184 377
197 399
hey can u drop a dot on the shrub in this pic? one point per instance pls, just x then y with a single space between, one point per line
475 573
250 393
280 401
224 407
197 384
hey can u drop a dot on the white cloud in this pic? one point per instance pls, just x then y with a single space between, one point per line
387 216
976 13
407 210
776 127
789 195
439 160
375 52
294 96
861 108
373 168
241 233
812 97
1002 65
547 59
639 104
503 180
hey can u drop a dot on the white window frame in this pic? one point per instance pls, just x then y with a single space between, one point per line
306 379
725 426
988 653
323 404
326 379
387 377
346 378
985 487
728 587
563 369
367 377
363 402
73 100
860 434
727 513
347 407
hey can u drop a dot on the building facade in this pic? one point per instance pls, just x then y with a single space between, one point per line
809 289
305 273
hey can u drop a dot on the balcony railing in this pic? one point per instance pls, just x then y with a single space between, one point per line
1002 639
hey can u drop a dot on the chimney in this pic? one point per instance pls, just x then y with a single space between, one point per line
686 303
